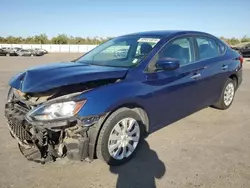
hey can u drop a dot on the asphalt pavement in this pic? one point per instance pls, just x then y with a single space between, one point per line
210 148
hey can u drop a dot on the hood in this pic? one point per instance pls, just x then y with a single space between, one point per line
47 77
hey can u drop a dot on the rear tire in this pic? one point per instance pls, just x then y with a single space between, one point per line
117 136
227 95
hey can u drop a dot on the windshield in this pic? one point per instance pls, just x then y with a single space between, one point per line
124 51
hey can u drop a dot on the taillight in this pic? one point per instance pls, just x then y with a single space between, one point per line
241 59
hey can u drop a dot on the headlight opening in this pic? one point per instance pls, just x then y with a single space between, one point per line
57 110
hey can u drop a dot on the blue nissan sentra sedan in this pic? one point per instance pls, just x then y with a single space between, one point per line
102 104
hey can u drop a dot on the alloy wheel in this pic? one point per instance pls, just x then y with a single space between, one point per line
124 138
229 94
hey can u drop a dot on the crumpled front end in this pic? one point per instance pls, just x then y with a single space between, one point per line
46 141
41 143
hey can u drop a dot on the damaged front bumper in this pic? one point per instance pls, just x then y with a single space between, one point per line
42 142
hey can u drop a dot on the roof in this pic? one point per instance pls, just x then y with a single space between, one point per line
166 33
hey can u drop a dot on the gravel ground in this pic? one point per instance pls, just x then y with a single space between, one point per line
207 149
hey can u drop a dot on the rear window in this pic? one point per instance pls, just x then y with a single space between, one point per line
207 47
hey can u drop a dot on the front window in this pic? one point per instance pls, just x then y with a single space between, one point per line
125 51
180 49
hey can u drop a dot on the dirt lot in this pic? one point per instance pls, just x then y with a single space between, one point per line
210 148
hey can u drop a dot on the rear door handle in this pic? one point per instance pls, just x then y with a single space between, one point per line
196 75
224 67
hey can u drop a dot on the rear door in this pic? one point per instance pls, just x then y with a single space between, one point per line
214 72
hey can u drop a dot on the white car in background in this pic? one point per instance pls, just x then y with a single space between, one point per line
121 53
41 50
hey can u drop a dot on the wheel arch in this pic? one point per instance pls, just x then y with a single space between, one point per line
95 129
234 77
139 109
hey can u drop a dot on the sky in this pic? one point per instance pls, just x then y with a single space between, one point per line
109 18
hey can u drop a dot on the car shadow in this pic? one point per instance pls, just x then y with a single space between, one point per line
141 171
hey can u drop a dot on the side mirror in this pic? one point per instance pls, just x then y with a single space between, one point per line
168 64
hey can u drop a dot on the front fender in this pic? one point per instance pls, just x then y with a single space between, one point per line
107 98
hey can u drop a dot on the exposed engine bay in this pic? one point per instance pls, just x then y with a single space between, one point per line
38 98
44 141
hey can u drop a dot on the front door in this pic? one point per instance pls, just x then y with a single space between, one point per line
176 93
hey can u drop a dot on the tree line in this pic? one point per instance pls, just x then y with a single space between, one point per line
65 39
234 40
59 39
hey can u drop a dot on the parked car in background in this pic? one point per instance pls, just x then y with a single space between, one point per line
41 50
121 53
8 52
102 106
243 49
35 52
15 49
25 52
7 49
2 52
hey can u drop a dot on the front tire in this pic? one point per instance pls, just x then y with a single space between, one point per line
227 96
120 137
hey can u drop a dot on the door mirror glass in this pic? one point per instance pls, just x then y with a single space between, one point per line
168 64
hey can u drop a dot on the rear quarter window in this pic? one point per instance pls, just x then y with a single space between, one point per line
222 47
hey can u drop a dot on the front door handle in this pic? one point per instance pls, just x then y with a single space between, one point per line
196 75
224 67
